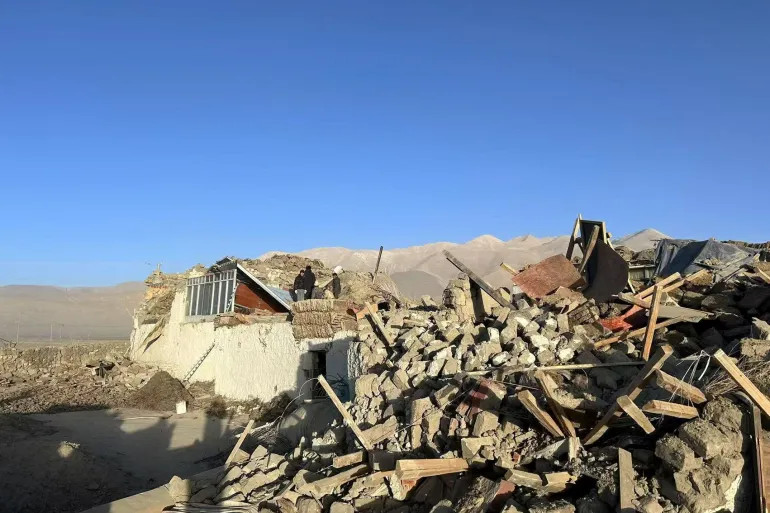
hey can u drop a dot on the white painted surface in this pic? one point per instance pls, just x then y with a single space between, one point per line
249 361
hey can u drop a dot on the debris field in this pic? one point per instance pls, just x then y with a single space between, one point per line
533 398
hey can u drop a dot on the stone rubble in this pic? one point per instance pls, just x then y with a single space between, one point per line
448 389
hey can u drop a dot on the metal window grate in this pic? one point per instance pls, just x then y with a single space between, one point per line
211 294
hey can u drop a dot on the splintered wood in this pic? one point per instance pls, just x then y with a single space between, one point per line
745 383
345 414
649 334
633 411
632 390
417 469
548 385
680 411
679 388
530 403
478 280
625 481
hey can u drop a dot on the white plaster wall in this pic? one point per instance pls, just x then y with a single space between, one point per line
257 360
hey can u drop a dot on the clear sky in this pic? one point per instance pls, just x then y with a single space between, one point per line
136 132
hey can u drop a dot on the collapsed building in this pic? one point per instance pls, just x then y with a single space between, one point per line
232 323
556 394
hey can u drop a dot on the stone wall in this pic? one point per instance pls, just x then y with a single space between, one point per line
32 361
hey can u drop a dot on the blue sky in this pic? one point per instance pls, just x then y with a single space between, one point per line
140 132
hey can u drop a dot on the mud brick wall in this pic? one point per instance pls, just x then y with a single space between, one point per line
31 361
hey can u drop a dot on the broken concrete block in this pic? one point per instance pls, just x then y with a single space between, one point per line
181 489
485 421
546 357
538 341
676 454
724 413
470 447
205 493
526 358
500 358
445 395
707 440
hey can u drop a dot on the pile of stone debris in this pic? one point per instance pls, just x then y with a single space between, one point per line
523 405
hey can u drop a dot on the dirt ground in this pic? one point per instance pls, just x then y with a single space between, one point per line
69 462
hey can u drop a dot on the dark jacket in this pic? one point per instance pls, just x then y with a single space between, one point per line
309 281
336 287
299 282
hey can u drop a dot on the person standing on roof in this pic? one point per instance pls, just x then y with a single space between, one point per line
298 290
336 285
309 282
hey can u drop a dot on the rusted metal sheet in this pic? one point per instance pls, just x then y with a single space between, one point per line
548 275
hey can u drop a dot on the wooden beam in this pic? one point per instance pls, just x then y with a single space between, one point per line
478 280
679 388
635 333
345 414
377 267
238 444
349 459
760 461
530 403
417 469
625 481
375 317
649 334
327 485
573 445
743 382
665 281
680 411
508 268
637 415
762 274
592 240
549 385
632 390
573 237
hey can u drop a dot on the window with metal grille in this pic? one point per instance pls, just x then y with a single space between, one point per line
211 294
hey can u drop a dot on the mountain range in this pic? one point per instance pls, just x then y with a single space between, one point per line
91 313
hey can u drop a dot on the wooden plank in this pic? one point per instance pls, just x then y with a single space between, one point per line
549 385
637 415
573 445
649 333
743 382
665 281
377 267
327 485
345 414
631 390
238 444
478 280
679 388
680 411
573 237
592 240
760 460
625 481
762 274
530 403
508 268
375 317
635 333
417 469
349 459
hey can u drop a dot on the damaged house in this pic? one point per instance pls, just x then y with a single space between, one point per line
225 324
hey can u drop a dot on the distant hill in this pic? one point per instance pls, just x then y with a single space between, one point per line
423 269
78 313
641 240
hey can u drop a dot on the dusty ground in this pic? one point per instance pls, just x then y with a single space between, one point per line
68 462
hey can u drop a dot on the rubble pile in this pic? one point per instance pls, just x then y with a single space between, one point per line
471 406
53 379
